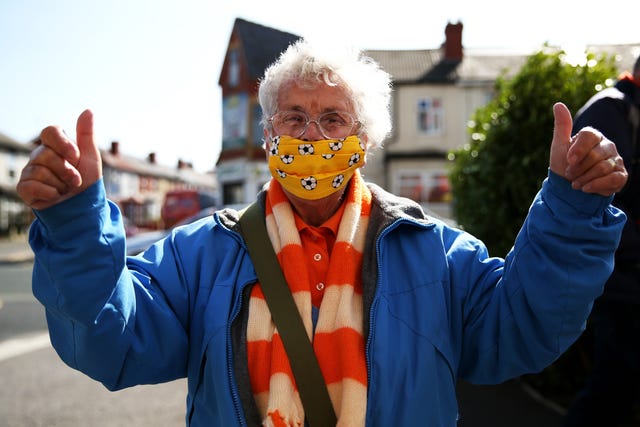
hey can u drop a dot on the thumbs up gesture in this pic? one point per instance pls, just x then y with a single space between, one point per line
587 159
60 168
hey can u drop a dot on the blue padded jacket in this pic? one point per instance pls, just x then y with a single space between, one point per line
437 307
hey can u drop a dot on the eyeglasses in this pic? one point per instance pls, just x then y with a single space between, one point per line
332 125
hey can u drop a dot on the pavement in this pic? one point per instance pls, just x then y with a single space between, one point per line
511 404
15 249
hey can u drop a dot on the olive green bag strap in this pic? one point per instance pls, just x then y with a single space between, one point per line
311 386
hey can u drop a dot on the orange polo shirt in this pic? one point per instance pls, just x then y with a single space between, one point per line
317 243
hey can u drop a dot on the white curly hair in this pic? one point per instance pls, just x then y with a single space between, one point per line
362 79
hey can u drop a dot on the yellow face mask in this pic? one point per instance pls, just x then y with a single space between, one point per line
313 170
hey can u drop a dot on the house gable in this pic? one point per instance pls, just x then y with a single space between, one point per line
252 48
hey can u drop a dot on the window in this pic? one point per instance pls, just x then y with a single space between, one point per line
411 186
430 116
232 193
11 167
233 78
235 121
425 186
256 127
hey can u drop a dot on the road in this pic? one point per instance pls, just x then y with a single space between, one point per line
37 389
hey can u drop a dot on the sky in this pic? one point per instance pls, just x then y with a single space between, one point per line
149 69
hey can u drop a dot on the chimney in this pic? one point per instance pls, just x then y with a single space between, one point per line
151 158
452 45
115 148
184 164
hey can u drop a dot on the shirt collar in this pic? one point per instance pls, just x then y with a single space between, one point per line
330 224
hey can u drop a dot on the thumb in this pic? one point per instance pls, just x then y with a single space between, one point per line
89 163
562 126
84 132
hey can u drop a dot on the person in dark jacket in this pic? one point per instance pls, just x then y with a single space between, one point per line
613 385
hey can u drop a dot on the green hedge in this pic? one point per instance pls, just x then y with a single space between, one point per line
495 176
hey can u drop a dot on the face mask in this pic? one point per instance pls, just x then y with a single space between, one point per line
313 170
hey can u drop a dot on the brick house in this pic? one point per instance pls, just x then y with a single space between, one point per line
435 93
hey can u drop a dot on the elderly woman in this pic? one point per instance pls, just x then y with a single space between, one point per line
399 305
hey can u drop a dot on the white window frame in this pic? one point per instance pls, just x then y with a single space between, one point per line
430 115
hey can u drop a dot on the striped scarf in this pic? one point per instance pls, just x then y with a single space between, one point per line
338 341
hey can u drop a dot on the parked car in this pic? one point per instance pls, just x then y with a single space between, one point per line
181 204
129 227
142 240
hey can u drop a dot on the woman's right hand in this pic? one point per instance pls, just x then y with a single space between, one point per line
59 168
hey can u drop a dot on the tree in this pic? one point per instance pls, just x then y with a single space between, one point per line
495 176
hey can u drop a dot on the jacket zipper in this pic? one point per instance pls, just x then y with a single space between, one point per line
237 405
372 309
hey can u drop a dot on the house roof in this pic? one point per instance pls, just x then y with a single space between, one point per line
429 66
486 66
406 65
477 65
626 54
126 163
262 45
10 144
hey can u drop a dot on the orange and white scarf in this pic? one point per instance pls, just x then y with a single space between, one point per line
338 341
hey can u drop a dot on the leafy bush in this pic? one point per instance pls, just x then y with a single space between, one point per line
496 175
